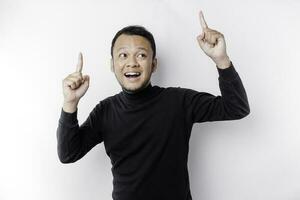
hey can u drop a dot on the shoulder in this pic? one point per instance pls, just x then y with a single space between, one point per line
179 93
178 90
107 100
104 102
188 95
103 107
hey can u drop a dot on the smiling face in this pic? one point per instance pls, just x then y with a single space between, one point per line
133 62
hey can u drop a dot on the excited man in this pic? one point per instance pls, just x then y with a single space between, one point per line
145 128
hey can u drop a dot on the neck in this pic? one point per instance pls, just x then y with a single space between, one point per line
141 95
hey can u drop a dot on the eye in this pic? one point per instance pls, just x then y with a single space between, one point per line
122 55
142 55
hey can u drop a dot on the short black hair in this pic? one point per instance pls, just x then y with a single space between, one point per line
135 30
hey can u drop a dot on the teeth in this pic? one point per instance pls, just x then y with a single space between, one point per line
132 73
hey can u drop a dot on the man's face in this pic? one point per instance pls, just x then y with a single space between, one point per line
133 53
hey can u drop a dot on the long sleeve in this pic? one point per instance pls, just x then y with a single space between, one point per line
74 141
232 105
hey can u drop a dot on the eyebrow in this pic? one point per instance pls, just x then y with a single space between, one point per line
142 48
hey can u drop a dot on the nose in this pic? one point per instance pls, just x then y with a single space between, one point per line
132 62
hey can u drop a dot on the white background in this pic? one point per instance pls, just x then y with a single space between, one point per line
256 158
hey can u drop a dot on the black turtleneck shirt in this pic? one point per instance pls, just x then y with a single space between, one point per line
146 134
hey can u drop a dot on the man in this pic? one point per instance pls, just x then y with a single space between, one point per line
145 128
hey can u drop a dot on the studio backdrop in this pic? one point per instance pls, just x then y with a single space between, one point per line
255 158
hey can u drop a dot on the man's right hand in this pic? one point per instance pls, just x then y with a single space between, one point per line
74 87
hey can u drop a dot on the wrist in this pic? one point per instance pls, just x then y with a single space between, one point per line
70 107
223 63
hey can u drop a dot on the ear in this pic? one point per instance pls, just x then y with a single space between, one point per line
112 65
154 65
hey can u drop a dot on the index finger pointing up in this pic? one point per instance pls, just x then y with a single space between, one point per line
202 20
80 63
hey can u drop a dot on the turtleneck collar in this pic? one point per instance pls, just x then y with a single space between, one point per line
140 96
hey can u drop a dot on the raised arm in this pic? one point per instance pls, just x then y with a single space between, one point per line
233 104
74 141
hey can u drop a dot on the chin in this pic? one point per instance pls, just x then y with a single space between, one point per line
134 87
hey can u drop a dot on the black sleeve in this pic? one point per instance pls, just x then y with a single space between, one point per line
74 141
232 105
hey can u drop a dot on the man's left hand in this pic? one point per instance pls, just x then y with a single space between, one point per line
213 44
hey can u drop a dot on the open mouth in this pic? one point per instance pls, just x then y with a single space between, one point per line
132 75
